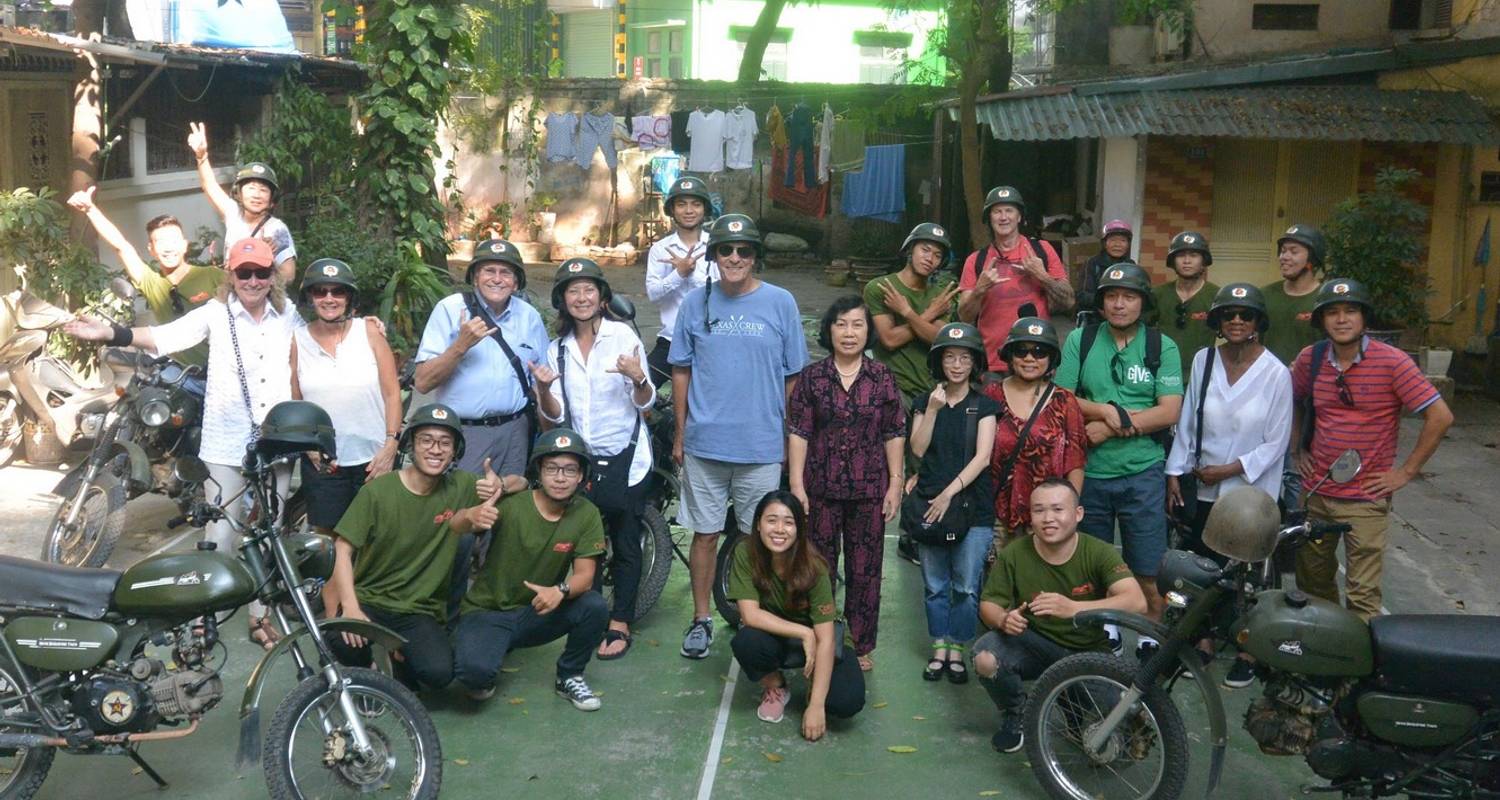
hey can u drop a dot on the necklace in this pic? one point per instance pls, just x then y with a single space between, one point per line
841 371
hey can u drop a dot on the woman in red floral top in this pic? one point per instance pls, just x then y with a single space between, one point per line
1055 445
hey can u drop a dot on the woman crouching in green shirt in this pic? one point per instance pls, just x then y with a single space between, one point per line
785 598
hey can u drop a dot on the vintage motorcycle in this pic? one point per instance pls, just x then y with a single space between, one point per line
99 662
1407 704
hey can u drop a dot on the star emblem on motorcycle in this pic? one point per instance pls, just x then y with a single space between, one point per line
1238 291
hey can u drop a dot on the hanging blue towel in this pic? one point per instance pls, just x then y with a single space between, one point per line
878 190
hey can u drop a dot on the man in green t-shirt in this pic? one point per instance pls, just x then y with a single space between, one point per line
1289 301
1036 587
537 582
1181 306
1124 402
395 546
178 288
908 309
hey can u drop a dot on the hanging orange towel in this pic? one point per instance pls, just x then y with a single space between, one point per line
776 127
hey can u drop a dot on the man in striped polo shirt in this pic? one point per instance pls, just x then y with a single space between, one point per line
1354 398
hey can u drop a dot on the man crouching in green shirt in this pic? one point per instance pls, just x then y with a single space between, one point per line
524 595
1036 587
395 548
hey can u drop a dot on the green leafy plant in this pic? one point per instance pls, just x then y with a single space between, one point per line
412 288
1378 238
311 144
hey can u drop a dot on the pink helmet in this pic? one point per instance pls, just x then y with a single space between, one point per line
1117 226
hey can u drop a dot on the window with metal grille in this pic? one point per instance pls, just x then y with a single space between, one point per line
1284 16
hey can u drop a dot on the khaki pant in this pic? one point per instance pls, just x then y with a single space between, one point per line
1364 553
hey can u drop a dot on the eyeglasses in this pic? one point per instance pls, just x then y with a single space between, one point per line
258 273
958 357
1345 395
561 470
1035 351
439 443
1236 314
329 291
742 250
1182 316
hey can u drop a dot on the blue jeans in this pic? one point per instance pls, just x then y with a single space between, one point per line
950 584
1139 503
482 638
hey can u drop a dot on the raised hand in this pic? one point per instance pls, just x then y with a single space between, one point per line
473 331
942 305
543 375
896 301
1034 266
938 398
684 262
485 515
89 329
547 599
629 366
491 484
988 278
83 200
198 140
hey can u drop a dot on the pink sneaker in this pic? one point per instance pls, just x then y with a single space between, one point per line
772 704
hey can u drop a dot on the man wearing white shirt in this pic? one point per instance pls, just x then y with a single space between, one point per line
677 264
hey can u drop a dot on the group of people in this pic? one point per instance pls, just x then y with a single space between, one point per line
484 521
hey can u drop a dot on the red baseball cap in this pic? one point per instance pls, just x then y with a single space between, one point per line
255 252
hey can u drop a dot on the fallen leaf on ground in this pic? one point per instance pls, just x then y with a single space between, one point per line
462 762
990 793
727 760
774 758
515 701
919 717
881 704
653 642
902 748
510 670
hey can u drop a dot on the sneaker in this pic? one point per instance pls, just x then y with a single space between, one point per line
1240 675
699 637
1116 644
1010 736
907 548
1146 649
773 704
481 695
576 691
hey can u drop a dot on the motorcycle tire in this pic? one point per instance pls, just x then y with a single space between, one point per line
1058 686
312 698
100 523
728 609
22 770
10 430
656 560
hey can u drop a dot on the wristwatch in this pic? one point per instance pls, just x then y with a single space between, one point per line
563 587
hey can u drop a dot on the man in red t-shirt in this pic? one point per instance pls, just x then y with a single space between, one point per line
1361 389
1008 274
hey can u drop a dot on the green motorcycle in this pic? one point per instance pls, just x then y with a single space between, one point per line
99 662
1404 705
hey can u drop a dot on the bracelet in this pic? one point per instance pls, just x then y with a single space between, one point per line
123 336
1125 421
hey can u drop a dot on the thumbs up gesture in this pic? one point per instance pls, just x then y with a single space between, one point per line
491 486
547 599
485 515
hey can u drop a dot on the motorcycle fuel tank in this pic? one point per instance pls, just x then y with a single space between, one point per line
184 583
1413 721
1292 632
56 644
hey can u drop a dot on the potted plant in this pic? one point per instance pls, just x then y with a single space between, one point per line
1378 238
545 221
874 248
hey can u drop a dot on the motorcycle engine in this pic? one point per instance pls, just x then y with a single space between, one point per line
113 703
178 692
1285 720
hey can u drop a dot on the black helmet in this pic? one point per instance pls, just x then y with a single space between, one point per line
296 426
1240 295
1125 275
1003 194
957 334
256 171
579 269
732 228
687 187
500 251
928 232
1032 329
1342 290
434 415
1191 241
1309 237
329 271
559 441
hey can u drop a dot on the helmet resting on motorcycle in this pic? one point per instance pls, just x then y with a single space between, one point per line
296 426
1243 525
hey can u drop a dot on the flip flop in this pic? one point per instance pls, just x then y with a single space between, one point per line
263 633
610 637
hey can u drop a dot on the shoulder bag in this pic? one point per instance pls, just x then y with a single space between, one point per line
955 521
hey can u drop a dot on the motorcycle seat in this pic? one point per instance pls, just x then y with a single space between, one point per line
1449 655
37 585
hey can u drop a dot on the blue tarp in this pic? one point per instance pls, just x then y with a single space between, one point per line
878 190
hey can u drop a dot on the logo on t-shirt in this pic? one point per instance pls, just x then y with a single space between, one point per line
825 609
199 297
1303 316
562 547
443 517
1084 590
1199 315
1138 374
737 325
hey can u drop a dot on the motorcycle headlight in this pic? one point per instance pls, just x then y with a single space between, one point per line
154 408
89 425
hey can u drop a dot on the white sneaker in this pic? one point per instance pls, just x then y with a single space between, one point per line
576 691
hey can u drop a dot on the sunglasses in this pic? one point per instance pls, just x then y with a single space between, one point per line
1345 395
258 273
329 291
1236 314
178 306
1035 351
1182 316
742 250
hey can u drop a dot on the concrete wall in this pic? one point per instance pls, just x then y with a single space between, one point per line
1179 196
1223 27
1121 182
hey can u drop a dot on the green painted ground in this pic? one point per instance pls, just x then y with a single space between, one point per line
653 735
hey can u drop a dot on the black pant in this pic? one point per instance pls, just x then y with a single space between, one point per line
428 655
761 653
661 368
482 638
624 528
1023 657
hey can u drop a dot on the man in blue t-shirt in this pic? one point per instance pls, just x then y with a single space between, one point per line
736 351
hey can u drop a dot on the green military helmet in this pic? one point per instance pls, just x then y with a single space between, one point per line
1009 195
434 415
687 187
256 171
732 228
1125 275
928 232
329 271
1240 295
579 269
1189 241
1342 290
1243 525
957 334
1032 329
1309 237
499 251
559 441
296 426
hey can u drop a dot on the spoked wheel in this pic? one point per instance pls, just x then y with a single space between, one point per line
656 563
22 769
728 609
90 540
1145 758
311 751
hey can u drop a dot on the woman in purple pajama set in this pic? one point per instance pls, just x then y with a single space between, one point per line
845 452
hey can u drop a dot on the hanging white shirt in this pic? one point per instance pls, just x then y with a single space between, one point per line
707 134
665 286
740 129
600 405
825 144
1250 421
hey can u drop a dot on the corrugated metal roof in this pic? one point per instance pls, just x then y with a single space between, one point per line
1285 112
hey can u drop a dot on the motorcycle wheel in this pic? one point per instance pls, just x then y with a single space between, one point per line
656 560
728 609
22 769
304 762
1145 759
97 529
10 430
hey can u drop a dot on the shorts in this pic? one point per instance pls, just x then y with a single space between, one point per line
1139 503
709 485
329 496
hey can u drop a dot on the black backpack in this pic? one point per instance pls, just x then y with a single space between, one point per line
1152 361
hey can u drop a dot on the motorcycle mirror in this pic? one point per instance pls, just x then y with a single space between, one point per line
190 469
1345 467
621 307
122 289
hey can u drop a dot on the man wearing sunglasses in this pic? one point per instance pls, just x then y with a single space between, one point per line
736 353
1181 306
1350 392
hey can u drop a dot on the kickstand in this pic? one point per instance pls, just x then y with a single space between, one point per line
161 782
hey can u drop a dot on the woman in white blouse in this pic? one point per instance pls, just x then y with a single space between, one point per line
1236 420
595 382
249 331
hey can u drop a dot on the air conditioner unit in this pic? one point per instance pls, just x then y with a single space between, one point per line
1168 35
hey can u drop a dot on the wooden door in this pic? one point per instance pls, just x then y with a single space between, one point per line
1243 211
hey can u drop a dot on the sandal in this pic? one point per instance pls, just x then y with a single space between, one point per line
935 666
610 637
957 672
263 633
866 662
